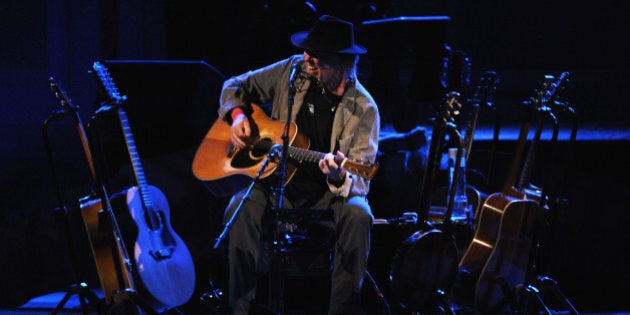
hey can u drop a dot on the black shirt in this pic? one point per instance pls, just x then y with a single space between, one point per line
314 120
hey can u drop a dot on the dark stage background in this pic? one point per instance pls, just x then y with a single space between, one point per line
170 57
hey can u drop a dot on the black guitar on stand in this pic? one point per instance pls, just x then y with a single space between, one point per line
468 113
162 263
425 265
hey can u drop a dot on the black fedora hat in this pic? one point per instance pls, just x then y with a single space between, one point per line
329 34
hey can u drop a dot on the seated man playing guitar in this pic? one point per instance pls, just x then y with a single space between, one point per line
335 112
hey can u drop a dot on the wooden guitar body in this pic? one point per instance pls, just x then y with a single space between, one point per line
163 261
507 265
497 263
99 221
218 161
100 237
493 260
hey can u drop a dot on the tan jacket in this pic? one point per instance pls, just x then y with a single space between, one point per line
355 126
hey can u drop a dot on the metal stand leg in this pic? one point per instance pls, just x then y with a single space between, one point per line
547 287
85 295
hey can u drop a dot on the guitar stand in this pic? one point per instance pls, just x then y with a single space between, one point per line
214 299
440 304
545 286
379 294
127 301
86 295
509 296
437 301
440 301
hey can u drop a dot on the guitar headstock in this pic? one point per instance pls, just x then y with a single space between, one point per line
548 94
554 92
456 70
451 108
363 169
538 101
60 94
484 93
107 84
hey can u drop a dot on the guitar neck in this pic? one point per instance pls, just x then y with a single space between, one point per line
134 157
525 178
361 169
512 175
306 155
471 126
484 95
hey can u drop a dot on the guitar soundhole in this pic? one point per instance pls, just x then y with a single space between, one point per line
247 158
261 148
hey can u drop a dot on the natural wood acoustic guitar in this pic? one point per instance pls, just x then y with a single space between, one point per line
161 260
219 161
100 223
496 261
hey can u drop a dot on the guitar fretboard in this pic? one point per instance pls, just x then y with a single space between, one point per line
365 170
135 158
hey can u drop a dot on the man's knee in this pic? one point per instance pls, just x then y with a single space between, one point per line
359 211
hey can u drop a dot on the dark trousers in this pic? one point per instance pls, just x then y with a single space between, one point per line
352 223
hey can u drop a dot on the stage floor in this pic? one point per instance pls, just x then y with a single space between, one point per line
46 304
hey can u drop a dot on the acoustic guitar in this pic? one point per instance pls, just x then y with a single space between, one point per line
483 96
424 267
218 160
99 221
162 261
497 258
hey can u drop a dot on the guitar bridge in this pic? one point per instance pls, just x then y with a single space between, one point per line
161 254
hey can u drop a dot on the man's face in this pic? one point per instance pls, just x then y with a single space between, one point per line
326 67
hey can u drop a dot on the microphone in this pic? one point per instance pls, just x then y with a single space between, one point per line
275 152
296 72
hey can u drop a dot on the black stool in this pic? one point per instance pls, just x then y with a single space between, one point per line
301 247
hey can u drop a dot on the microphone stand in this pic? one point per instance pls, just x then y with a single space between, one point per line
275 282
230 222
272 155
214 298
280 155
284 156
